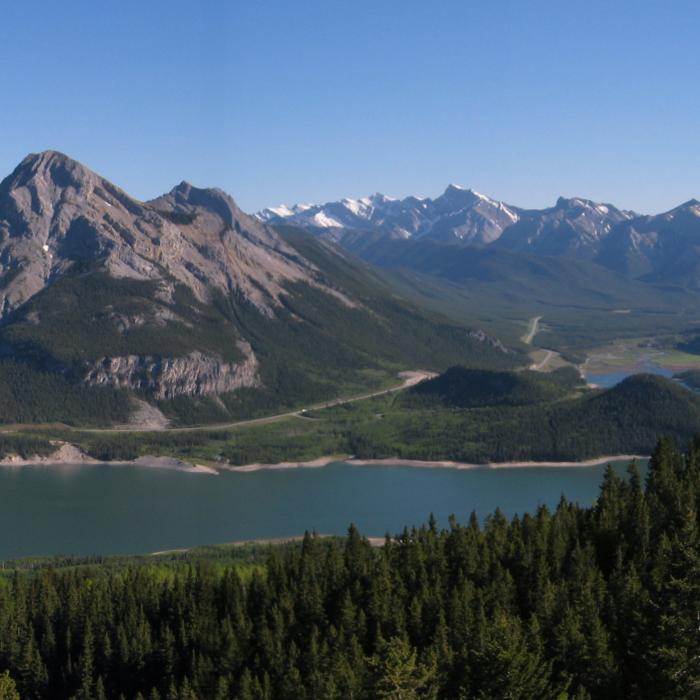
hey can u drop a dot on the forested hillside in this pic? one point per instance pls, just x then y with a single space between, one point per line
464 415
582 602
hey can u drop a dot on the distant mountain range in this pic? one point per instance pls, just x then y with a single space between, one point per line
458 215
184 307
664 248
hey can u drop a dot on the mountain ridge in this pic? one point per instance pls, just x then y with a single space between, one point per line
651 247
59 207
471 214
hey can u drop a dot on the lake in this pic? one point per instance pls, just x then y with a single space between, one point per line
609 379
127 510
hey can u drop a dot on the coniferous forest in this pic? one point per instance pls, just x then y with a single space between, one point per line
582 602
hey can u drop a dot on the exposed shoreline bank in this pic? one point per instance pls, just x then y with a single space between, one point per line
430 464
68 454
71 455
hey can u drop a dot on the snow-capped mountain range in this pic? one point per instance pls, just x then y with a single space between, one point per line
662 247
458 214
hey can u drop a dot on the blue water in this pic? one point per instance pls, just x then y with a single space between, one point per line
120 510
610 379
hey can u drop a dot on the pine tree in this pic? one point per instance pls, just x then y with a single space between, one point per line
505 666
8 688
87 664
399 675
674 659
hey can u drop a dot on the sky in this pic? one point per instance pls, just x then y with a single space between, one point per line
309 101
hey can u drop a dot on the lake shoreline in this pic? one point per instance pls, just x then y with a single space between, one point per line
71 455
429 464
68 454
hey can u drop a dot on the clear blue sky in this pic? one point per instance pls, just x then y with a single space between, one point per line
311 100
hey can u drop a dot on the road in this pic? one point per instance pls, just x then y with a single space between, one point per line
409 379
539 366
532 330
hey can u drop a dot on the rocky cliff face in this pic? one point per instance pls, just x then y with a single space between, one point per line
483 337
166 378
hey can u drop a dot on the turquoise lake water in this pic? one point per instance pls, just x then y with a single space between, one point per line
119 510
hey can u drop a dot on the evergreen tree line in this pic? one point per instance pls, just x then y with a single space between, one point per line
581 602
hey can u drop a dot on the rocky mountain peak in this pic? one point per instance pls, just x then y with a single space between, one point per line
44 183
563 202
461 195
189 197
54 211
691 205
49 167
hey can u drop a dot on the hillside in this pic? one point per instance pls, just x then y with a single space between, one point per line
460 387
189 305
500 289
626 419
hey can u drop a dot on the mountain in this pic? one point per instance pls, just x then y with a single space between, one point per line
596 271
458 215
55 212
187 306
662 248
571 228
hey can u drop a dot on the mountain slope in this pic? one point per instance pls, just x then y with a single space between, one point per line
663 248
572 228
486 416
187 302
513 277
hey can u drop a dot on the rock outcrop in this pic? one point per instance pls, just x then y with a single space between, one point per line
482 336
166 378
